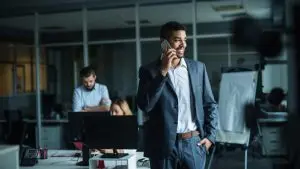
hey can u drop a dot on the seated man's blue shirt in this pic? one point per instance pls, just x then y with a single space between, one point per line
96 97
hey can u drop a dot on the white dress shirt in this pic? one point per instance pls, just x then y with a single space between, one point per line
180 80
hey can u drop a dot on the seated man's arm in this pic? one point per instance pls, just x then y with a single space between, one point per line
100 108
77 104
104 104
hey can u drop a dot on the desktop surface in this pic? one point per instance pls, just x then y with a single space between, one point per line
64 159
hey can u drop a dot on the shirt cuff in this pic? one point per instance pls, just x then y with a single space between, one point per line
106 102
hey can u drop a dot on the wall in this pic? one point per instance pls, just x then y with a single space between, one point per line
116 62
21 56
6 87
25 102
124 69
102 60
276 75
115 65
19 7
66 77
145 32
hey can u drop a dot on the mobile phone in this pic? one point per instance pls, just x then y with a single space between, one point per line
165 45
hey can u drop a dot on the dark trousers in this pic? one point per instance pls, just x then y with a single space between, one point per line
186 154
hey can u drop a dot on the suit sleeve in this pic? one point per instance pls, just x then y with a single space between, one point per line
210 108
149 90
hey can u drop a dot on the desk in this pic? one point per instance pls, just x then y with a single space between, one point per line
69 162
270 128
47 121
127 162
274 117
9 156
53 132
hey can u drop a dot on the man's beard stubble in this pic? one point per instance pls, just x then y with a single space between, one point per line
89 89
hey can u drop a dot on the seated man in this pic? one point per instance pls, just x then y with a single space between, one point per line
90 96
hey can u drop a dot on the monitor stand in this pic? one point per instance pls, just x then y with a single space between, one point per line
115 154
85 156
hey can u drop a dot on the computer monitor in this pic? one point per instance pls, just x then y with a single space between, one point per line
77 131
111 132
76 127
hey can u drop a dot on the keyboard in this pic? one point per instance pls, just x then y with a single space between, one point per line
112 155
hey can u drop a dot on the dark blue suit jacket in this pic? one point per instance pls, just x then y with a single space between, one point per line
157 98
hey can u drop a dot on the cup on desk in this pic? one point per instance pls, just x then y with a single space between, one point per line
101 164
43 153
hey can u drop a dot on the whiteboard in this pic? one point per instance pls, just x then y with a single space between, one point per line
236 90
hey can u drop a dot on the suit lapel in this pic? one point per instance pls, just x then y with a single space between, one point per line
192 71
170 84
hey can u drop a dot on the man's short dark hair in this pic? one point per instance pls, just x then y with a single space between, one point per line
167 29
87 72
276 96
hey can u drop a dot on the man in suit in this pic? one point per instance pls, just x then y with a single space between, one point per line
175 94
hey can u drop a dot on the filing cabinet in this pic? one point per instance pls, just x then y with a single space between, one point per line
52 137
272 144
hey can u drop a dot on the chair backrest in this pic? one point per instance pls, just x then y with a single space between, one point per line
13 115
15 127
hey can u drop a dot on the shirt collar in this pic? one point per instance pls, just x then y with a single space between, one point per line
182 61
94 88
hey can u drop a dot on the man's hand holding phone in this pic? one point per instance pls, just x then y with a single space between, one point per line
168 56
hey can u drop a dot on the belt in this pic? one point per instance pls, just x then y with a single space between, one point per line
187 135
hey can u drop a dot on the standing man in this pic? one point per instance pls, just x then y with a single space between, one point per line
176 95
90 96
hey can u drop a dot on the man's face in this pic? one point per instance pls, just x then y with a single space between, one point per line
89 82
177 41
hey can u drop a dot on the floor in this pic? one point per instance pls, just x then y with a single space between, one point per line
235 160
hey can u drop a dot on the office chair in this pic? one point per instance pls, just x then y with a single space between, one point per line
15 128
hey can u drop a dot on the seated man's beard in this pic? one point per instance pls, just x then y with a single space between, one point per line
89 89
